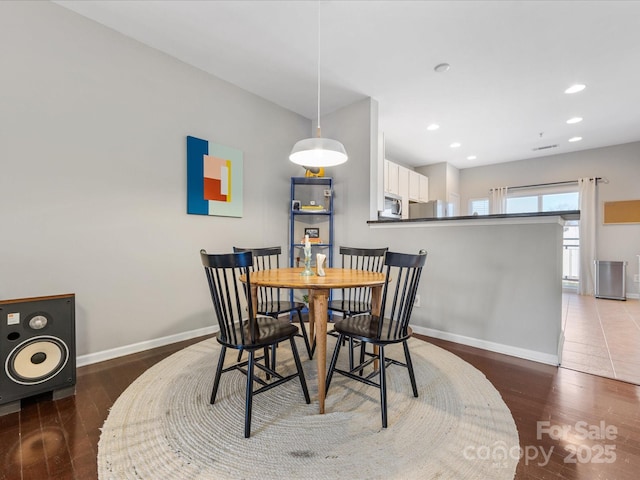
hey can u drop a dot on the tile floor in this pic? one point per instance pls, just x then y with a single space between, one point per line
602 337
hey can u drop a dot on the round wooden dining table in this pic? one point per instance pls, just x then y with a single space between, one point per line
318 288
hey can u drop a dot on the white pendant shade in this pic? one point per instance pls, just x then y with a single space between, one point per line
318 152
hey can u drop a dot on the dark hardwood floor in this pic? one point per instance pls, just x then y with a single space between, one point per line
59 439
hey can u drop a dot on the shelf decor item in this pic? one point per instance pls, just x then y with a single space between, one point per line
314 172
312 233
313 208
307 272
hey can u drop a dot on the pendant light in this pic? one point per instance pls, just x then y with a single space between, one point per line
318 151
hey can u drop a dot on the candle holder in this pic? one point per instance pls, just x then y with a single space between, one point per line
307 272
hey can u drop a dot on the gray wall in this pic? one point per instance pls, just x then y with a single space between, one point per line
495 285
620 164
93 183
356 127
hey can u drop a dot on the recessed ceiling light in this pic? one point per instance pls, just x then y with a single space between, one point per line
442 67
471 157
575 139
578 87
455 145
574 120
433 126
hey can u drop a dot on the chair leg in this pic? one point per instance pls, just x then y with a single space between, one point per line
383 387
216 381
303 382
274 351
350 353
409 363
305 336
332 365
363 347
249 397
267 362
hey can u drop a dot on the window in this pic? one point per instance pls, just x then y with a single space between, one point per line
560 201
547 199
553 201
522 204
479 206
571 254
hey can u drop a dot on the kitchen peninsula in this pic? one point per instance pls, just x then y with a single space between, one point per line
491 281
565 214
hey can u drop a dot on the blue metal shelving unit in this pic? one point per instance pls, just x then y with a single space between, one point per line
311 207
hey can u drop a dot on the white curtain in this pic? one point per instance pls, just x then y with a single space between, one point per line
587 191
499 200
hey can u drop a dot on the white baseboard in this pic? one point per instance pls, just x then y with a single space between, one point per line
90 358
524 353
560 346
533 355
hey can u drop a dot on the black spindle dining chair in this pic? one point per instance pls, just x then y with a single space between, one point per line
403 273
270 301
243 332
354 301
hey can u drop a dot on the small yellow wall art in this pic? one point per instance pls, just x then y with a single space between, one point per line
626 211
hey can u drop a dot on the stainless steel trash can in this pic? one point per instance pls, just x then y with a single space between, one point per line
611 280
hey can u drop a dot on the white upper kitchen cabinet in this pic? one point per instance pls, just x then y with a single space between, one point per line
418 187
403 188
424 188
391 177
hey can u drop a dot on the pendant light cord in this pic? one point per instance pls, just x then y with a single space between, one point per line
318 127
317 151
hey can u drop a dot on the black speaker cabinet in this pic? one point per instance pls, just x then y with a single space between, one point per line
37 349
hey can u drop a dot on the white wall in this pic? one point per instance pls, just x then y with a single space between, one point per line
444 180
93 130
437 174
620 164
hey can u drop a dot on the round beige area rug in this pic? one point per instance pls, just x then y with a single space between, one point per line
163 427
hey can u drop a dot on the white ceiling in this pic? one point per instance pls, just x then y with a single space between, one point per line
502 97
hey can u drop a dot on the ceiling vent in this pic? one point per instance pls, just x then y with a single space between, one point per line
546 147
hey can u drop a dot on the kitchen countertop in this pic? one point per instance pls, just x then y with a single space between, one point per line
482 219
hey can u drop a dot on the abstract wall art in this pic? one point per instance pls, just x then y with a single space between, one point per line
214 179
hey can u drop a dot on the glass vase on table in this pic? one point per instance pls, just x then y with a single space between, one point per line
307 272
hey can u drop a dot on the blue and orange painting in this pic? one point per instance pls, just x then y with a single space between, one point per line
214 179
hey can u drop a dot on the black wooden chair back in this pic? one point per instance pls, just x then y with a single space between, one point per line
223 272
270 301
402 271
266 259
358 300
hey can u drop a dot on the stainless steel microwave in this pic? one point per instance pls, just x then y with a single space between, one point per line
392 206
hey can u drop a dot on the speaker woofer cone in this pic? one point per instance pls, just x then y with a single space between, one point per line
37 360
